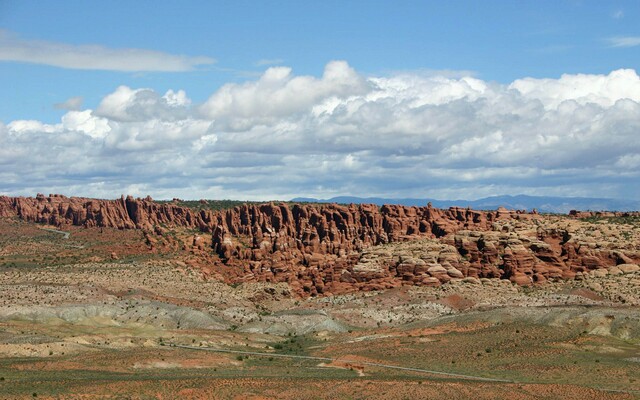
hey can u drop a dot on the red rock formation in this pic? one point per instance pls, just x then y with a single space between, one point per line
124 213
316 247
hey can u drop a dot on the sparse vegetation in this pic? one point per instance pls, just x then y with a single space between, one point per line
633 220
99 325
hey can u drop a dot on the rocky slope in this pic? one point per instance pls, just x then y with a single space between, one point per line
321 249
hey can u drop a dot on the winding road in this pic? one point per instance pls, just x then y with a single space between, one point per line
66 234
358 362
342 360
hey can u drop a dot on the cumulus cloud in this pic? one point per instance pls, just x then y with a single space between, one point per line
129 105
603 90
278 94
87 123
285 135
94 57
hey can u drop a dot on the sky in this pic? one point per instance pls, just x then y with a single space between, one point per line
261 100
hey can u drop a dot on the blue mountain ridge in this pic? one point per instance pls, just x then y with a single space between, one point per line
561 205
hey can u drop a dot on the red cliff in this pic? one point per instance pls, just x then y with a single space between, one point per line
326 248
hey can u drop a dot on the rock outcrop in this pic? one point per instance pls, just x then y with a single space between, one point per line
321 248
329 248
124 213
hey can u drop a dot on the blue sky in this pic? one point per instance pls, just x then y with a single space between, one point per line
61 60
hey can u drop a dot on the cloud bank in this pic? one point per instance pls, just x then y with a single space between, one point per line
94 57
342 133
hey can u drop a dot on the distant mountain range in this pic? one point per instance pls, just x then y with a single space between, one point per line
560 205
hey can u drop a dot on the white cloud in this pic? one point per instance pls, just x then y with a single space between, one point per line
603 90
176 99
155 135
278 93
624 41
283 135
94 57
87 123
20 127
126 104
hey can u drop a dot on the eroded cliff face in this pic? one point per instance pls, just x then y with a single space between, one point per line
124 213
318 248
322 249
